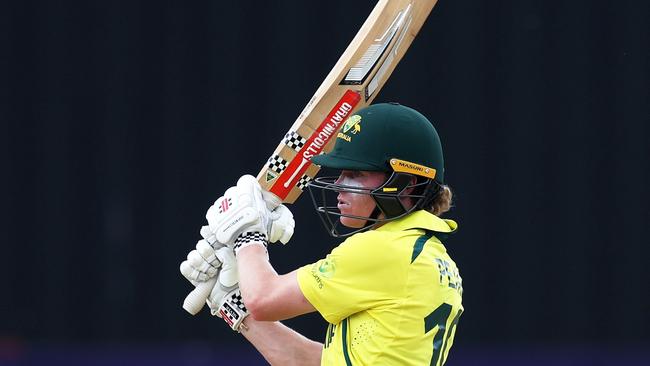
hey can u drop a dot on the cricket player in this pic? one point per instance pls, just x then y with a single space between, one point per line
389 291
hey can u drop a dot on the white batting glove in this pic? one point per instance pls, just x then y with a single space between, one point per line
225 300
282 225
202 262
239 218
231 309
210 237
281 229
243 209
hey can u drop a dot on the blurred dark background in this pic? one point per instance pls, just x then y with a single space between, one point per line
122 121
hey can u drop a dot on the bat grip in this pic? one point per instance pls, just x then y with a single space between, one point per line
272 201
196 299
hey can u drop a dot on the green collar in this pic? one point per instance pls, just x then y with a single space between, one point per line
421 219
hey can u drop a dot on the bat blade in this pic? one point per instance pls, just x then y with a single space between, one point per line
352 84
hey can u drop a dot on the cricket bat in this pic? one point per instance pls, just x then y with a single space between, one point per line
352 84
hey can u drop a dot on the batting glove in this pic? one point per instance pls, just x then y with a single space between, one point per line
225 300
239 218
202 263
242 214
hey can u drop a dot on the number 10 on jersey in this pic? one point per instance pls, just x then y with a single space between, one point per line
438 319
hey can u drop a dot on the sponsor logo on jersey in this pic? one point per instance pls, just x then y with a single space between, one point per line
317 279
327 268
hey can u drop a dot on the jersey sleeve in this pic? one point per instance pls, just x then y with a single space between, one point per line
356 275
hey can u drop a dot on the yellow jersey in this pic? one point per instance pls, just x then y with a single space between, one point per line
392 295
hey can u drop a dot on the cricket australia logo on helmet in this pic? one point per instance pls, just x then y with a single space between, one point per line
351 127
352 122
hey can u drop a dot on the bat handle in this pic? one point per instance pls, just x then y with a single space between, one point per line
196 299
272 201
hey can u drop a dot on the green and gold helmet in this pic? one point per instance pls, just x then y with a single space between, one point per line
386 137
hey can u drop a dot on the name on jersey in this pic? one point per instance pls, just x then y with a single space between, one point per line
449 275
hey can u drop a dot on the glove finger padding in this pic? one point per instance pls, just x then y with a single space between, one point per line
228 276
208 253
216 296
210 238
282 225
201 264
205 232
195 268
191 274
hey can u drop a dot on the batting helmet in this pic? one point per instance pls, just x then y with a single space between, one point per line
391 138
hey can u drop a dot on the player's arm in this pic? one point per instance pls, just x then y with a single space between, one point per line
281 345
267 295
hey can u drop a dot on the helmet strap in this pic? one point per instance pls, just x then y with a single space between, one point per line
387 196
375 214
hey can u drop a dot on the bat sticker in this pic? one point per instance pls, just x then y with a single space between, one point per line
302 183
294 140
277 164
359 72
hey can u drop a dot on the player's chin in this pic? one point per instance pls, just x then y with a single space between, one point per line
352 223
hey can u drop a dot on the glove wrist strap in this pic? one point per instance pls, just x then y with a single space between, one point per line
248 238
232 310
